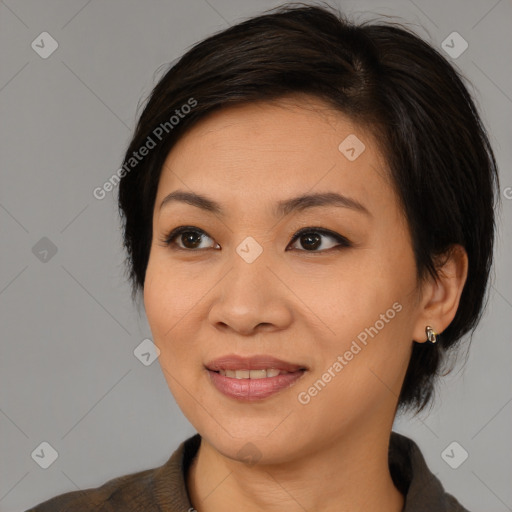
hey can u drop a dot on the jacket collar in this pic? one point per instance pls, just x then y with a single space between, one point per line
422 490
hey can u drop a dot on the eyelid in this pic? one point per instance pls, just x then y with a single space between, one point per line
343 242
168 239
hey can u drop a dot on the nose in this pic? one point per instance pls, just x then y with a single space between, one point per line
252 297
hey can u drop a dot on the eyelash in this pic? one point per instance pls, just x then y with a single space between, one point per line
344 242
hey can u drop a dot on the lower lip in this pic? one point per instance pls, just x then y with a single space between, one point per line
253 389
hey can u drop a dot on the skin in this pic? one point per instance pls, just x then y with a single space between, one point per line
295 303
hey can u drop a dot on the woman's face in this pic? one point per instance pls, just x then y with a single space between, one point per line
340 301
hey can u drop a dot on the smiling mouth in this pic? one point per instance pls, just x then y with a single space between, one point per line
253 385
254 374
255 365
250 378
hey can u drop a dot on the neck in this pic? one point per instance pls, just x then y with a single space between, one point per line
351 474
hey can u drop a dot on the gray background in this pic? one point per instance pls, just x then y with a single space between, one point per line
68 374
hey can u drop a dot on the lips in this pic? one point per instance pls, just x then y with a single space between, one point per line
242 379
234 362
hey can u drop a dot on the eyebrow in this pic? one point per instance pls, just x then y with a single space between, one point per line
283 207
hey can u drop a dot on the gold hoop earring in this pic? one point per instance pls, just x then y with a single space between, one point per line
431 335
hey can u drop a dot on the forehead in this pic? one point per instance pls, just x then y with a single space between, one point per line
272 150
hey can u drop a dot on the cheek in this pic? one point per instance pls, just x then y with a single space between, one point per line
166 309
161 302
154 298
366 306
163 294
172 301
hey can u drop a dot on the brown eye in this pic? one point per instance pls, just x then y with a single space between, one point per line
188 238
191 239
311 239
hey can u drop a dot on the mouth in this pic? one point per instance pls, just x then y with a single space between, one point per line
253 378
252 367
252 374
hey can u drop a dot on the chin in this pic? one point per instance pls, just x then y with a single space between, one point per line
253 445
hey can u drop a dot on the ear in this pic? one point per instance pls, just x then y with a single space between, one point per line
440 297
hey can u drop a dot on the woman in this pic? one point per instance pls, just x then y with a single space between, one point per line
308 211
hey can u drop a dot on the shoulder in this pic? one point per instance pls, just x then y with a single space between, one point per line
127 490
422 489
160 488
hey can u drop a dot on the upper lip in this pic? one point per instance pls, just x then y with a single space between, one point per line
257 362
